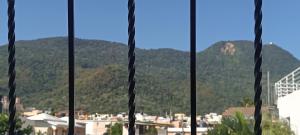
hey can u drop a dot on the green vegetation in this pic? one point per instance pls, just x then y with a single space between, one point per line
162 75
247 102
115 129
151 131
275 127
40 133
21 131
239 125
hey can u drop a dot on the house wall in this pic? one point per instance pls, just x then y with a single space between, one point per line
288 109
79 131
43 130
186 131
64 131
96 127
125 130
161 131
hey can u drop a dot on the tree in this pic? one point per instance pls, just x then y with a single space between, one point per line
275 127
116 129
236 125
21 131
247 102
239 125
40 133
151 131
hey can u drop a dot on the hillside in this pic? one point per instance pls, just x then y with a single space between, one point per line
224 72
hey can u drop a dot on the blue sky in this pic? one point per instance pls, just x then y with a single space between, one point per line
159 23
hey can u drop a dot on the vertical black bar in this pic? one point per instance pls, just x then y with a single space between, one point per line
11 68
257 67
131 67
193 66
71 65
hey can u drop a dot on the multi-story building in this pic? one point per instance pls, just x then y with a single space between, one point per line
288 98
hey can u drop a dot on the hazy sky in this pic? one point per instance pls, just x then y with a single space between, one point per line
159 23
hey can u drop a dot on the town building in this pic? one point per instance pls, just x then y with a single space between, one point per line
79 114
50 125
186 131
141 127
31 112
97 127
100 124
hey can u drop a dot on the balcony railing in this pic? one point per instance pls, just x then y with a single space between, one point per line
131 66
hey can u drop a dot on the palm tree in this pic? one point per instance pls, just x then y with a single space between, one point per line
275 127
239 125
236 125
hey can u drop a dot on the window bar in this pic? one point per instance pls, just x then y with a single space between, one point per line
71 65
131 67
193 65
257 69
11 69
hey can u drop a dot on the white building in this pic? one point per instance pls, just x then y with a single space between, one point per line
97 127
289 110
288 99
186 131
47 124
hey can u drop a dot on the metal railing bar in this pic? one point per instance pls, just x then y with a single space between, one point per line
71 35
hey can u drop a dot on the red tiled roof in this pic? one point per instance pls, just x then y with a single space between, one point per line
247 111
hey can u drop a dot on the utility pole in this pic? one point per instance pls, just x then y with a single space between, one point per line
268 77
268 96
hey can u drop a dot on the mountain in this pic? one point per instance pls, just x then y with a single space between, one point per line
224 75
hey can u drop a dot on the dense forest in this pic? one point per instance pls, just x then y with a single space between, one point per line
224 75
